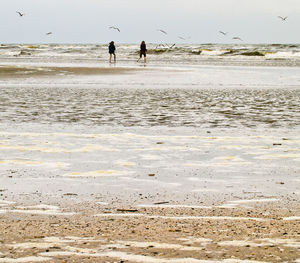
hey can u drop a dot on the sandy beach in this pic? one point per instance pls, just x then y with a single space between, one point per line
158 163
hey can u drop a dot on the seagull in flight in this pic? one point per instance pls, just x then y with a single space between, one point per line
49 33
184 38
115 28
170 46
159 45
237 38
20 14
283 18
164 32
223 33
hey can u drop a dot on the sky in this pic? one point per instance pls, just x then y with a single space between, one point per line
199 21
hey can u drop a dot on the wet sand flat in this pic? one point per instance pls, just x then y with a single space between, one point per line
168 163
7 72
147 197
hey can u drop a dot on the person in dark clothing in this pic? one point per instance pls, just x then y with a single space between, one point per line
111 50
143 51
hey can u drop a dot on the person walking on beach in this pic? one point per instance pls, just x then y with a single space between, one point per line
143 51
111 50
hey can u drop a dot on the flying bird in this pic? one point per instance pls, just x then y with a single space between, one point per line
159 45
223 33
164 32
115 28
237 38
49 33
170 46
20 14
184 38
283 18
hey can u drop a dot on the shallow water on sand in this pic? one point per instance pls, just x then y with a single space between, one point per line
172 107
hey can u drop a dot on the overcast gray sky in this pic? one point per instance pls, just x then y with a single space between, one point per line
87 21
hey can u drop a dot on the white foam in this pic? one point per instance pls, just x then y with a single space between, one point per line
71 239
40 206
174 206
184 217
291 218
281 241
24 259
41 212
29 245
127 256
102 203
120 215
236 203
4 202
254 200
204 190
195 240
33 163
100 173
158 245
261 242
239 243
197 179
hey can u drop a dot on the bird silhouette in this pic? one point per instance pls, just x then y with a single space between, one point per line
20 14
162 31
223 33
184 38
283 18
170 46
49 33
115 28
159 45
237 38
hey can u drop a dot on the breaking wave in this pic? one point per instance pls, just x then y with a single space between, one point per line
174 52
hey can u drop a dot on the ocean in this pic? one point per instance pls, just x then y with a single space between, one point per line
241 54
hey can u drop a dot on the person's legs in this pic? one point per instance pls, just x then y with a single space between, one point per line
110 57
115 59
145 59
139 57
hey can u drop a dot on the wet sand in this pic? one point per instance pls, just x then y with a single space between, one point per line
115 196
7 72
159 165
252 234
